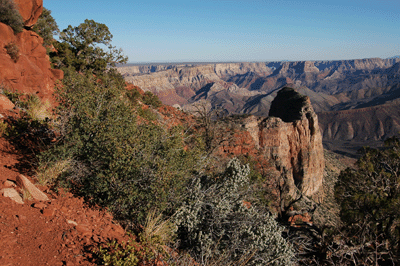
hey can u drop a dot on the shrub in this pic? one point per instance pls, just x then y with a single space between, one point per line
157 231
369 197
215 223
119 163
48 173
46 27
13 51
36 109
13 96
146 113
31 105
10 15
3 128
133 96
151 99
118 255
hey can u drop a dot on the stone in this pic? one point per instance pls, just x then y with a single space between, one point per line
22 219
48 212
9 183
83 229
24 183
72 222
30 11
5 103
12 194
58 73
118 229
295 142
39 205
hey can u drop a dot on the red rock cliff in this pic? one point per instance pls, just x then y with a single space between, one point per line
30 11
32 72
287 144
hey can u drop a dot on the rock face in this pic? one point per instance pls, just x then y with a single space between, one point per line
291 135
31 71
30 11
287 144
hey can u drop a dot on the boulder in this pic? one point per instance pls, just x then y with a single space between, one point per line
24 183
12 194
5 103
30 11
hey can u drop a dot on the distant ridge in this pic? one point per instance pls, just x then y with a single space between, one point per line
247 87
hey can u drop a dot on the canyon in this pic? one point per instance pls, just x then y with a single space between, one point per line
343 88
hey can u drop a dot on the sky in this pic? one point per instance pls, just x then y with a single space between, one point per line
170 31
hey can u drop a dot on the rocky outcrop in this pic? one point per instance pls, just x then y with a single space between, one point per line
30 11
291 135
287 144
29 70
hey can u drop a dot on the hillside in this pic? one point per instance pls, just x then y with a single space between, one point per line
96 171
111 158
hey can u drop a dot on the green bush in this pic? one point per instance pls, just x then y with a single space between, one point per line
151 99
369 197
216 226
13 51
10 15
119 163
13 96
46 27
118 255
133 96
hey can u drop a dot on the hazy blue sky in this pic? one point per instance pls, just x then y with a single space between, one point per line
239 30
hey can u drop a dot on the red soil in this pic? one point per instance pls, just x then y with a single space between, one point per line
61 231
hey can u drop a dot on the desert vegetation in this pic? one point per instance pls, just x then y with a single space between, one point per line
164 184
10 16
46 27
13 51
108 145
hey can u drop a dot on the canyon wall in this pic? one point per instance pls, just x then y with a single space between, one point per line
332 86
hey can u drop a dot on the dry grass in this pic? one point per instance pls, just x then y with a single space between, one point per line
48 173
36 109
26 195
158 231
